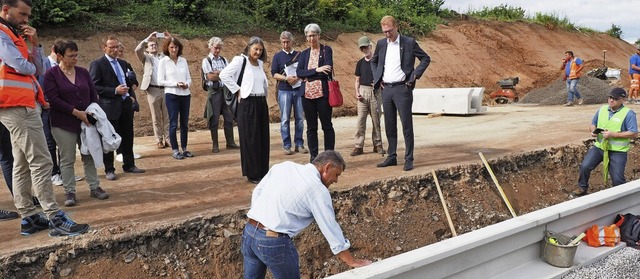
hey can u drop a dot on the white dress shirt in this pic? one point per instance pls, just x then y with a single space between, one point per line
229 76
170 73
290 197
392 66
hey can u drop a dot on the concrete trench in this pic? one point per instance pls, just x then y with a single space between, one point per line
381 219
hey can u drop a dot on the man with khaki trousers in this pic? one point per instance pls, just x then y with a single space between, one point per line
369 101
147 52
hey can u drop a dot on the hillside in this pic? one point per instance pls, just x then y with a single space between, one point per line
464 53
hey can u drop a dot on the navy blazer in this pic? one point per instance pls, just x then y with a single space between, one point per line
409 51
326 58
106 81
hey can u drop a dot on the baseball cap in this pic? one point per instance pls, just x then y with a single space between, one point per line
618 93
364 41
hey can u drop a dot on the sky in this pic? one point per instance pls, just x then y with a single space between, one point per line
595 14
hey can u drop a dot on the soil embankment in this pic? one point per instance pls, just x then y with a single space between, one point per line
465 53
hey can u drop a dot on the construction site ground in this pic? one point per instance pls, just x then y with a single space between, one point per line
173 190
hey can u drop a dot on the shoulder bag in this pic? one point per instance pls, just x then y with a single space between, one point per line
335 95
232 98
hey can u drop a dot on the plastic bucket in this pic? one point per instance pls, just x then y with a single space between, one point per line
557 254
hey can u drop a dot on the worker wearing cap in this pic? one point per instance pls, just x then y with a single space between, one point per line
614 125
634 72
369 100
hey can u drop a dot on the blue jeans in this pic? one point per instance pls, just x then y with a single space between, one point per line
178 106
572 89
617 163
288 100
260 252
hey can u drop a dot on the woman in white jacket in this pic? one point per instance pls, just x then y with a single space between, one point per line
252 112
173 75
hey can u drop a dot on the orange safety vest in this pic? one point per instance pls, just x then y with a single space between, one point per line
16 89
605 236
573 74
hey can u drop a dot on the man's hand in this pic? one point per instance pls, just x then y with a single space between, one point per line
31 33
348 259
122 89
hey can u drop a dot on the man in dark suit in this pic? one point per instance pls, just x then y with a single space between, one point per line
116 99
392 65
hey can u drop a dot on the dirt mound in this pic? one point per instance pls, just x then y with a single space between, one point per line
593 91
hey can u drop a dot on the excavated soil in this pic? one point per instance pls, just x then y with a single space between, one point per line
382 219
184 219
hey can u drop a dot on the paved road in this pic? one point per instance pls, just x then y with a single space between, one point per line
211 184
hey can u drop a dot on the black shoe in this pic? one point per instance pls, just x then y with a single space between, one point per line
187 154
254 181
8 215
33 224
388 162
62 225
408 165
177 155
134 169
232 145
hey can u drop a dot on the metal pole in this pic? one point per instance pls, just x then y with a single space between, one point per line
604 58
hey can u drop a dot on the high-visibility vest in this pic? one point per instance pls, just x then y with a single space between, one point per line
16 89
606 236
613 124
573 70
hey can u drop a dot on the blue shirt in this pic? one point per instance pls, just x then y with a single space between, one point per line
290 197
629 124
277 66
567 69
635 60
10 55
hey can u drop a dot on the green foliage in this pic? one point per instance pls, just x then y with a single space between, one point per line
420 8
186 10
615 31
286 14
52 12
502 12
553 21
637 43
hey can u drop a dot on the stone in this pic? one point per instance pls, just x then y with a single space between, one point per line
394 195
155 243
65 272
130 256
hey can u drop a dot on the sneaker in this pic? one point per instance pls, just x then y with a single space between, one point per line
98 193
177 155
33 224
8 215
110 175
568 104
301 149
70 199
287 151
187 154
56 179
579 192
580 101
62 225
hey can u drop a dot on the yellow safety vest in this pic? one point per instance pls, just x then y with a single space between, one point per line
613 124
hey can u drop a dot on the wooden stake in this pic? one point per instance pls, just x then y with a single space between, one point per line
444 204
495 181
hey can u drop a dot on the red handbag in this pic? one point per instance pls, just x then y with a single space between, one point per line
335 95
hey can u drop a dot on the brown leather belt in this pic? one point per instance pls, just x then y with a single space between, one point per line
269 233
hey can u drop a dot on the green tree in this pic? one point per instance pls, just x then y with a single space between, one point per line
637 42
288 14
615 31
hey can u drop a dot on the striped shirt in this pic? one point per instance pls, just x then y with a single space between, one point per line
290 197
217 64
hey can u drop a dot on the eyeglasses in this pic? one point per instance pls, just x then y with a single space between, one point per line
112 47
312 36
612 98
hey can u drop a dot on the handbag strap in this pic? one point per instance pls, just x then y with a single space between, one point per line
244 64
324 56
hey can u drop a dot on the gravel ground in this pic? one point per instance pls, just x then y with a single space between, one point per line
622 264
593 91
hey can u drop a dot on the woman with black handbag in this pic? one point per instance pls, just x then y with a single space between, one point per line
245 77
314 68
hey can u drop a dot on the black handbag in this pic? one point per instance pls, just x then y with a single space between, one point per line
232 98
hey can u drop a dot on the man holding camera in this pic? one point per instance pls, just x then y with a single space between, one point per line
116 99
614 125
148 54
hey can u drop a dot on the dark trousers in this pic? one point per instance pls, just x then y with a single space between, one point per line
398 100
178 107
253 128
6 157
124 128
617 163
314 109
219 106
51 143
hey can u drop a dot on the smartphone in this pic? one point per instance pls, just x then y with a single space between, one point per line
92 119
159 35
597 131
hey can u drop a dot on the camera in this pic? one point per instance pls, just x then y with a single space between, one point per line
159 35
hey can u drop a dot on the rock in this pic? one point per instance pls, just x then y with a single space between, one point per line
52 262
72 253
354 220
228 233
155 243
145 266
65 272
130 256
394 195
398 248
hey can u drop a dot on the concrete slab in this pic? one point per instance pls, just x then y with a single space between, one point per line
448 100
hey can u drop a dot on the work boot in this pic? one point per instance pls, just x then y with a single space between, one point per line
228 135
214 139
357 151
580 102
579 192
